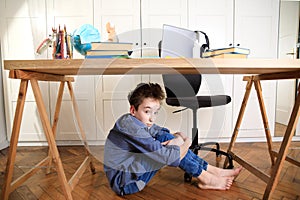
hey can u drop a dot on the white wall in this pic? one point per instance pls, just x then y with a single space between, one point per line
3 138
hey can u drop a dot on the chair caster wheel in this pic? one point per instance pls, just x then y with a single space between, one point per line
187 177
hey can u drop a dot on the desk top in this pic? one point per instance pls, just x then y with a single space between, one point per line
156 66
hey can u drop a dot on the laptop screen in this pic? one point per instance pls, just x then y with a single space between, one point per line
177 42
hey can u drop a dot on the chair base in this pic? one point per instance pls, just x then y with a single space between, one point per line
219 153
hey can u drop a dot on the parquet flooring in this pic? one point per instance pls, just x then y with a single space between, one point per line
167 184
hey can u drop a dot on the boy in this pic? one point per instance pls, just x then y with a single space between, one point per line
136 148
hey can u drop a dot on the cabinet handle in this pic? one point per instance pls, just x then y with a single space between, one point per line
238 45
136 44
145 43
291 53
230 44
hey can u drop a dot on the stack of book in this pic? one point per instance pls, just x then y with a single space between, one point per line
231 52
109 50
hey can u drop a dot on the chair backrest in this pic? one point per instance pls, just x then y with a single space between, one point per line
180 85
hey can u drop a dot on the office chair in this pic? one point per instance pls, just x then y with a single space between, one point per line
181 91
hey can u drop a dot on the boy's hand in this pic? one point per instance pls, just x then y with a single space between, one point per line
182 135
165 142
179 139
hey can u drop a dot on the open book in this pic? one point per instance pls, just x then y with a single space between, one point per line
230 50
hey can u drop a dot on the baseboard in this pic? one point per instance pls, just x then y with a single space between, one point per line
62 143
102 142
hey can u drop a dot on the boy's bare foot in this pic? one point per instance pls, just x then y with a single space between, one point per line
224 172
211 181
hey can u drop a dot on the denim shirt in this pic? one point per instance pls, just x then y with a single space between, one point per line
132 149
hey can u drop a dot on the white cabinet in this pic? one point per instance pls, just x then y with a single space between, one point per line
60 14
111 91
23 27
155 13
111 100
256 28
101 100
249 24
215 18
139 22
124 15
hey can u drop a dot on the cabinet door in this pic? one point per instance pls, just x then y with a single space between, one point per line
124 15
252 124
60 14
111 99
111 91
22 29
154 14
215 18
256 28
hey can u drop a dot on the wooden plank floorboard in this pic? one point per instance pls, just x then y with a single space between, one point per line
167 184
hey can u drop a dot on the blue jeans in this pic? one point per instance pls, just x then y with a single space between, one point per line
133 187
191 164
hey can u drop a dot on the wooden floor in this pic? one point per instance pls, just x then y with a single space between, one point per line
167 184
279 130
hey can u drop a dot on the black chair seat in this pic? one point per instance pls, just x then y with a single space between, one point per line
196 102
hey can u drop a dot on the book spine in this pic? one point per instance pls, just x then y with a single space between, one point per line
105 56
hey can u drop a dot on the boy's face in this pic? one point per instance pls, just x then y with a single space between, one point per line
147 111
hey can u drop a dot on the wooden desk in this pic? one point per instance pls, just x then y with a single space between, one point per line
61 70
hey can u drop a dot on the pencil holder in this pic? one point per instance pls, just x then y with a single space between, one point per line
62 46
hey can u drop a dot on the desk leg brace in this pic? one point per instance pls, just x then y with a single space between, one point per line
272 180
56 118
50 138
50 133
250 81
283 149
239 119
75 178
265 118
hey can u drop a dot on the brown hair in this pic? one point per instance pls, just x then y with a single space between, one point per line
145 90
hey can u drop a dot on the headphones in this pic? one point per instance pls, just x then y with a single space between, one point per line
205 46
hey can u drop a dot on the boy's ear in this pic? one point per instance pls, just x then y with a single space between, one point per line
132 110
